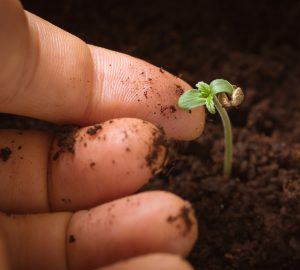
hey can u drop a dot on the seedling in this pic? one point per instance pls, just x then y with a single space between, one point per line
218 95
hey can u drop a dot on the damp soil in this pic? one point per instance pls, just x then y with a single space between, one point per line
251 221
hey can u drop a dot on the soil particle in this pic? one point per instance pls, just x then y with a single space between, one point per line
72 239
103 137
178 90
55 155
125 135
5 153
64 200
92 164
165 109
172 109
93 130
161 70
184 215
66 140
110 207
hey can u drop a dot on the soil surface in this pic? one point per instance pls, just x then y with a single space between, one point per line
251 221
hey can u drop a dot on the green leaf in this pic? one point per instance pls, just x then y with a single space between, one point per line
204 88
221 86
191 99
210 105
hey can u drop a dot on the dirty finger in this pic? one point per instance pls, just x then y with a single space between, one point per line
150 222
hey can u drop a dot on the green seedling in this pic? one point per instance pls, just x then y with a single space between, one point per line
218 95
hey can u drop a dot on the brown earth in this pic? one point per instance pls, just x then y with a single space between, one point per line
253 220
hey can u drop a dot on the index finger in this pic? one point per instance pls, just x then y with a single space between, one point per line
57 77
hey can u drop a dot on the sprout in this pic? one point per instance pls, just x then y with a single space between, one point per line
215 96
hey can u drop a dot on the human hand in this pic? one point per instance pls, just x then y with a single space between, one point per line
49 74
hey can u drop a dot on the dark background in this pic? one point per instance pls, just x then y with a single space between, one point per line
160 30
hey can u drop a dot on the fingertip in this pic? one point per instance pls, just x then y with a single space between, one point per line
140 224
106 161
151 262
131 87
188 124
177 123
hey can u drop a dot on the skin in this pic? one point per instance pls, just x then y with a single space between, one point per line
65 213
150 262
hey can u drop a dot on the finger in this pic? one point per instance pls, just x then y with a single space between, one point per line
85 167
57 77
145 223
151 262
141 90
140 224
110 161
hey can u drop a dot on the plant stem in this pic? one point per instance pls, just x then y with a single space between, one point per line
228 138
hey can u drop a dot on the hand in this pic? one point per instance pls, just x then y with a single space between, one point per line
49 74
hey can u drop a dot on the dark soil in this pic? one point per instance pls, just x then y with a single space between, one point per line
93 130
185 216
251 221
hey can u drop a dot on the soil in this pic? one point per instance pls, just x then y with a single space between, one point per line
185 216
155 149
93 130
251 221
5 153
65 139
